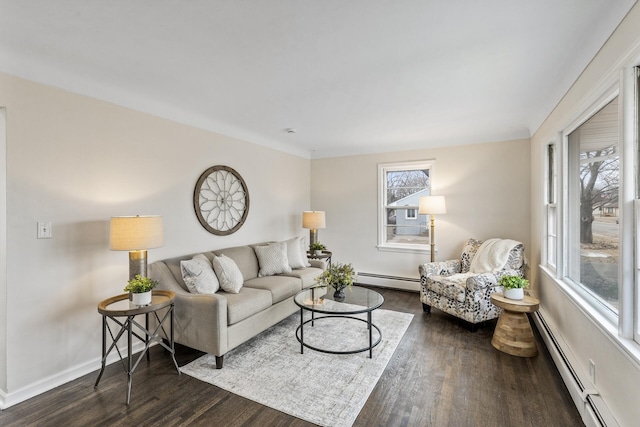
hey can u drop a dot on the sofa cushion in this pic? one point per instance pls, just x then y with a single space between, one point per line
228 273
246 303
272 259
281 287
198 275
245 259
307 275
453 287
297 253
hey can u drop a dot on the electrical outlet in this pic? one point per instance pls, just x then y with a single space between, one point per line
44 230
592 371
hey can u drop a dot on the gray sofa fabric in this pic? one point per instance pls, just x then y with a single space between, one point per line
217 323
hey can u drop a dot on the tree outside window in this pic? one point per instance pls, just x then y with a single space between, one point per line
593 205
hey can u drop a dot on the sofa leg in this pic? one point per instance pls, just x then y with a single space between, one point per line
426 308
219 361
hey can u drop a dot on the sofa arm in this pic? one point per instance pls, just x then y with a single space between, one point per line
489 280
192 313
200 319
318 263
440 268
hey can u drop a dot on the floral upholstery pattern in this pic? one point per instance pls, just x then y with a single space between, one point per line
450 287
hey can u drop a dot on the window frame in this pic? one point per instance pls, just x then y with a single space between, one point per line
590 300
383 168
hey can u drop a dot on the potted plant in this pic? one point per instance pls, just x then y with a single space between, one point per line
317 248
140 288
338 277
513 286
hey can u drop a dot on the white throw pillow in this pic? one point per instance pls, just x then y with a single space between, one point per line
198 275
295 255
272 259
228 273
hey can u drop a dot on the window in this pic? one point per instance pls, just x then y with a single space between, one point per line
592 202
401 185
552 210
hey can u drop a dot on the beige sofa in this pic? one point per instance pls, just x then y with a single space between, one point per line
216 323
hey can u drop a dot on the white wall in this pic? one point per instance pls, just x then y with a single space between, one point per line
617 370
487 190
76 162
3 251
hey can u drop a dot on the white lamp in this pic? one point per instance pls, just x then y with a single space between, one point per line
136 234
313 220
432 205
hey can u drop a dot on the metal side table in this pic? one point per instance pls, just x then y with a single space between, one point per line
118 307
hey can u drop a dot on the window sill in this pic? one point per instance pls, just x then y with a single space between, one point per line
628 347
413 249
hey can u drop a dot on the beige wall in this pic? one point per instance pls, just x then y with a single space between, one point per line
76 162
582 338
487 194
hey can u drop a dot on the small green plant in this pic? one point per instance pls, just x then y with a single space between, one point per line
337 276
317 247
513 282
140 284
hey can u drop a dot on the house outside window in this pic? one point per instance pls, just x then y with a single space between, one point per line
401 185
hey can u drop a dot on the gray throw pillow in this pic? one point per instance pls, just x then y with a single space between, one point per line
272 259
198 275
296 256
228 273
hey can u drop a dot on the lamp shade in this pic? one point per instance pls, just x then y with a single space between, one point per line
131 233
313 219
432 205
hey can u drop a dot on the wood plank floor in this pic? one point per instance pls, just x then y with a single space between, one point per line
440 375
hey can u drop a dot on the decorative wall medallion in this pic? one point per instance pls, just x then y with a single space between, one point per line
221 200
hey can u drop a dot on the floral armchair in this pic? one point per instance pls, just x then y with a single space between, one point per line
453 287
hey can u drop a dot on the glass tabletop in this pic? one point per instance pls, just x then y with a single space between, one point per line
357 300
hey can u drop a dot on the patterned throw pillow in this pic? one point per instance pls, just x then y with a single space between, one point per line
272 259
468 252
296 253
228 273
198 275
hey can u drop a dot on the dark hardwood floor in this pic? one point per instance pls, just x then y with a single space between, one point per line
440 375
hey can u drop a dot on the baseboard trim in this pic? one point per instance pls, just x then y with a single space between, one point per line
592 408
25 393
391 282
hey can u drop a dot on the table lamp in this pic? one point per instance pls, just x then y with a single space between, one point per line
313 220
432 205
136 234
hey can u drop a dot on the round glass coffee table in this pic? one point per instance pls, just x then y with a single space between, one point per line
357 300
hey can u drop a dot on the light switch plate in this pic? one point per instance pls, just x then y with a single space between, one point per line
44 229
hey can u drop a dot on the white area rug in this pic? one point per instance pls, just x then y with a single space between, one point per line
325 389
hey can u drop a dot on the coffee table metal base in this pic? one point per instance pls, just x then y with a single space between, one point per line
370 327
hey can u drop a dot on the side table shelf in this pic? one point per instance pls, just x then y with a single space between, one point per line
118 307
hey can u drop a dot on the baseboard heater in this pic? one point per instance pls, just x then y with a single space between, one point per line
554 347
386 281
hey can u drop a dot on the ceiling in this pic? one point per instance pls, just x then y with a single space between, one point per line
351 77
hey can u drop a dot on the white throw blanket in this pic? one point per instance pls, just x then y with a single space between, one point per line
492 255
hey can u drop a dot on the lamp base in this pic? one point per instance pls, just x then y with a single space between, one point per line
137 263
313 236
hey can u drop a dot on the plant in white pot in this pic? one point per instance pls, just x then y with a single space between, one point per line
513 286
140 288
317 248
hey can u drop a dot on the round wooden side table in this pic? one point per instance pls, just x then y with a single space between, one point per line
513 334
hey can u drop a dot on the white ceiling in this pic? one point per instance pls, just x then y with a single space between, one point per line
351 76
